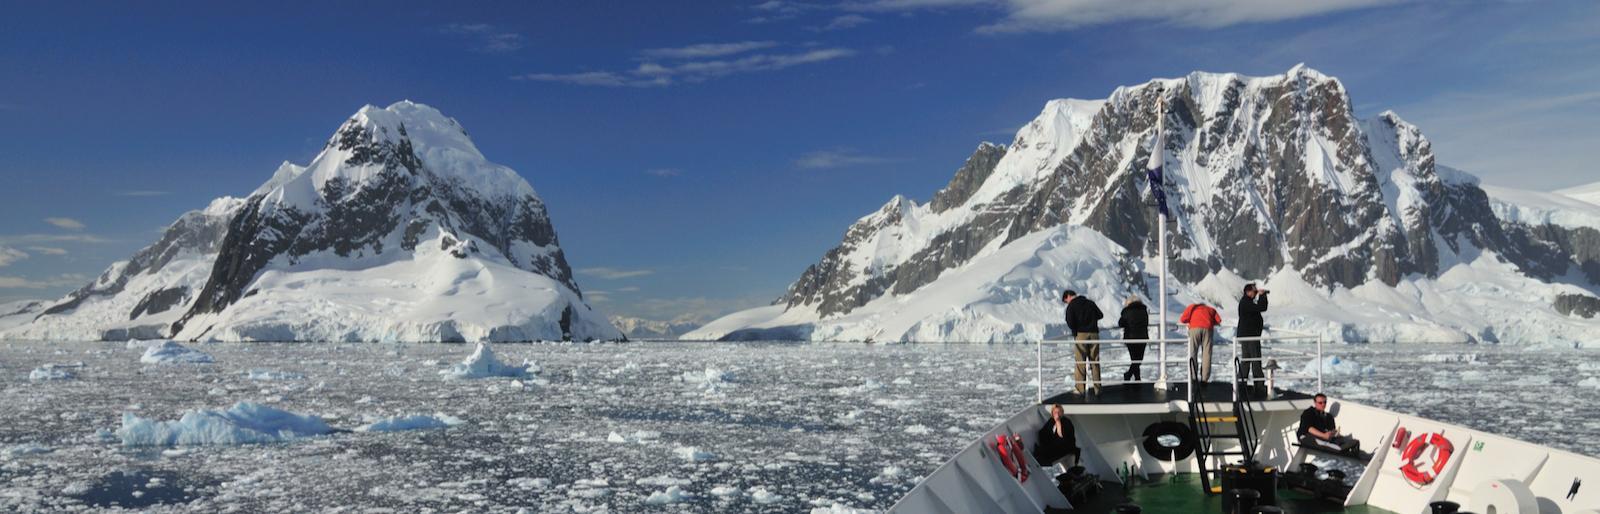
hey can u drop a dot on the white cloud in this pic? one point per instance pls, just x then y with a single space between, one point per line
486 37
613 273
706 50
587 78
46 250
664 172
66 223
682 68
825 159
67 280
10 255
848 21
1056 15
54 238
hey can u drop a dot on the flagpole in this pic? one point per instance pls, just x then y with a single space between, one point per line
1161 248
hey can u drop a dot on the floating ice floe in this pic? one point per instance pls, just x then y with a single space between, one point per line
673 494
26 449
711 379
866 387
267 374
244 423
1338 366
141 344
412 422
1590 382
638 436
170 352
1464 358
693 454
54 372
760 494
482 364
834 507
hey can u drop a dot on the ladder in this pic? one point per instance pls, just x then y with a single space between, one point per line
1211 431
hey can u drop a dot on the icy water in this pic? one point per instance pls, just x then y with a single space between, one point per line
657 427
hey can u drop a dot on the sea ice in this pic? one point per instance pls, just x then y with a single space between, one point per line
834 507
638 436
267 374
760 494
1335 365
482 364
711 379
244 423
26 449
673 494
411 422
53 372
693 454
170 352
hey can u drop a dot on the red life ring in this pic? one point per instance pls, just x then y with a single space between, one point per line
1419 445
1017 454
1004 447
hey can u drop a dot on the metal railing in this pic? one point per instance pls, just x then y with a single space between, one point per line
1274 341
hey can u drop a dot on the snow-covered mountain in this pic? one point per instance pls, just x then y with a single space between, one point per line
1271 179
398 230
1587 192
641 328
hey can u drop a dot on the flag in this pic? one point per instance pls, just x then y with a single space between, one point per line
1152 168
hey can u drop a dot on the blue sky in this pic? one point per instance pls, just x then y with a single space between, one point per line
697 156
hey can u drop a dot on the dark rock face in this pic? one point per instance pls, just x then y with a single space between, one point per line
971 175
1577 305
159 301
1281 175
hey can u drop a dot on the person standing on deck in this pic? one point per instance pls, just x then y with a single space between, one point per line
1202 321
1135 324
1083 319
1251 305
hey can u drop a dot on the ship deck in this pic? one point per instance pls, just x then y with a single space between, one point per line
1136 394
1183 495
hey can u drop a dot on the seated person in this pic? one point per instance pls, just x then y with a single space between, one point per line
1317 429
1057 439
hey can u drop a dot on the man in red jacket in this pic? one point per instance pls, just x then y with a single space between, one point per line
1202 321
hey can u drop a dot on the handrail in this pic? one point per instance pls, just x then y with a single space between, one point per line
1163 361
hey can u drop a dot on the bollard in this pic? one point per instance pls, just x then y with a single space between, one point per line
1444 507
1128 508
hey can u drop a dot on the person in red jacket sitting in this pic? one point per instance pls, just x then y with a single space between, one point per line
1202 321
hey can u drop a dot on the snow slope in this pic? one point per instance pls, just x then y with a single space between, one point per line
1014 295
398 230
1538 208
1587 192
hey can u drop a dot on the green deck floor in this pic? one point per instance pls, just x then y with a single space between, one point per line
1184 496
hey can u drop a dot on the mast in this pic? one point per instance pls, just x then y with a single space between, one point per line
1157 160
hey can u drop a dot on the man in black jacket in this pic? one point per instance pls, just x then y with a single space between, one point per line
1251 305
1135 324
1083 318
